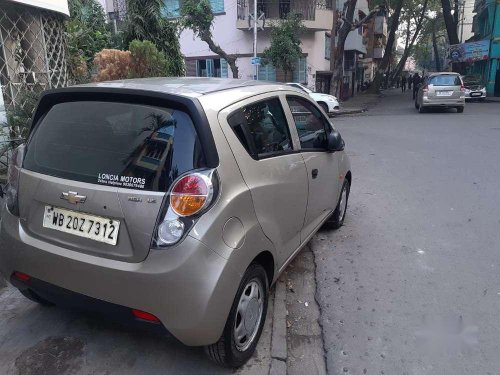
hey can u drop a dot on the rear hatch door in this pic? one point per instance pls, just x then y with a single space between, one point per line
95 174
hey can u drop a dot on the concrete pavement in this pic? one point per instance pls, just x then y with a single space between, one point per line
411 283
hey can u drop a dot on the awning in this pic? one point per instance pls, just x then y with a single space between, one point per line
59 6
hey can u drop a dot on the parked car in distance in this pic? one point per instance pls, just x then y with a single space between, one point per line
474 88
329 103
441 90
171 202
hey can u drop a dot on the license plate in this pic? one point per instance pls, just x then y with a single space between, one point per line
444 93
96 228
475 94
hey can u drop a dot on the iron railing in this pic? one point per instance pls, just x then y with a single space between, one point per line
280 9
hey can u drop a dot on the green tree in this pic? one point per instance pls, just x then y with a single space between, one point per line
86 34
146 22
197 15
285 50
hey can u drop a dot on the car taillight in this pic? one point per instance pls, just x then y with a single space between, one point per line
425 88
462 88
15 162
190 196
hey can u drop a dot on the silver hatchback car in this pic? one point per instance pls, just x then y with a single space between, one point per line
172 203
443 90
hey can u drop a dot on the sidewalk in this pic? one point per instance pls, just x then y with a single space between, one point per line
360 103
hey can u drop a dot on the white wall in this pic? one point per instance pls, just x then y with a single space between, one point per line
60 6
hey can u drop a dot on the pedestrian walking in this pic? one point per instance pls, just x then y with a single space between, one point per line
416 84
403 83
410 81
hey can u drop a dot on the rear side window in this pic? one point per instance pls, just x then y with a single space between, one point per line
125 145
262 128
445 80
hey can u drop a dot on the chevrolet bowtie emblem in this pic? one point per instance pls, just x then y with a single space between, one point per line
73 197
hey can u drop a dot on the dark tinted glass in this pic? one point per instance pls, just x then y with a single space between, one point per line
445 80
124 145
262 128
311 126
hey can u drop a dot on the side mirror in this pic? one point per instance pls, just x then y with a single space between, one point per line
335 142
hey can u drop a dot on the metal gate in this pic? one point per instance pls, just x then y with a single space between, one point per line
33 51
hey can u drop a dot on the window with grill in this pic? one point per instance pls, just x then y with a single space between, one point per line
172 7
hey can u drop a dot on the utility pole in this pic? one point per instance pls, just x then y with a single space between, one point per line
462 18
256 67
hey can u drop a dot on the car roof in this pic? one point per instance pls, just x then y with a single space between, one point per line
443 73
190 86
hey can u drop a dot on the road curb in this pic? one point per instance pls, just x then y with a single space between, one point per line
278 336
344 112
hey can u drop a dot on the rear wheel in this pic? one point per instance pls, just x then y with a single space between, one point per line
421 109
245 322
460 109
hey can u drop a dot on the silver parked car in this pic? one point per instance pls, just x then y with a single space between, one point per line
172 203
441 90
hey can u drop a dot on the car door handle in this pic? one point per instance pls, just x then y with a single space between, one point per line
314 173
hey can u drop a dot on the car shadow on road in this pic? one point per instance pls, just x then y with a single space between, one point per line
53 340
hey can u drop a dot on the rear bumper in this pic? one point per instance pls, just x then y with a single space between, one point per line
189 287
441 102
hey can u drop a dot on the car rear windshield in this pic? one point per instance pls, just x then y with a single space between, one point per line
119 144
445 80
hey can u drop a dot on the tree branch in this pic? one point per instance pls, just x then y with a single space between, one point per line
358 24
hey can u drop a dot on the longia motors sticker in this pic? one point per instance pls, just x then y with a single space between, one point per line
122 181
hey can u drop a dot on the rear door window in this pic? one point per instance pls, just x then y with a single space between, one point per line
312 127
118 144
445 80
262 128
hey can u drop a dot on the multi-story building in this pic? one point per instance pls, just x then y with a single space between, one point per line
233 32
486 26
375 38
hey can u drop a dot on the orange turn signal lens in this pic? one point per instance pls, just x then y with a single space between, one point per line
187 205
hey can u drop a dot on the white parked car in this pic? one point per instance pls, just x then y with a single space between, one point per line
329 103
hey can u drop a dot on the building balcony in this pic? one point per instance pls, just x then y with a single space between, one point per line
315 14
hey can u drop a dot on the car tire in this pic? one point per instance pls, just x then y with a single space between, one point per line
338 216
460 109
324 106
32 296
421 109
251 299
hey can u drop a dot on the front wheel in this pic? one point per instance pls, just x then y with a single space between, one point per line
460 109
338 216
245 322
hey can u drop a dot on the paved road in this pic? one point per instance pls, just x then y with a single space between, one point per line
411 284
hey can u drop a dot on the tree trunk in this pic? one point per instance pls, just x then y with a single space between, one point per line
435 47
215 48
344 30
379 75
409 46
449 21
333 34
